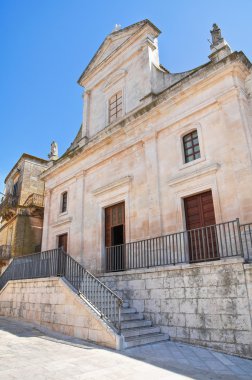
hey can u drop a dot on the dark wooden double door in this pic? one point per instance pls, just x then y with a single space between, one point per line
62 242
115 236
200 221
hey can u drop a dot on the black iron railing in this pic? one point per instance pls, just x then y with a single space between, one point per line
9 200
201 244
8 206
246 237
55 262
5 252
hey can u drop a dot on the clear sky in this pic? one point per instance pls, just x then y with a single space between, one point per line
46 44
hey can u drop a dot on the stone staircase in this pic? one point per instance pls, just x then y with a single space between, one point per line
136 330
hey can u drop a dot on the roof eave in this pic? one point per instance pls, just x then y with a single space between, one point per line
23 157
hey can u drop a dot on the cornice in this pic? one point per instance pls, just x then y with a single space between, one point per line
198 173
113 185
61 222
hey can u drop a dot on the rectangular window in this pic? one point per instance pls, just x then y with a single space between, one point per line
191 146
64 202
115 106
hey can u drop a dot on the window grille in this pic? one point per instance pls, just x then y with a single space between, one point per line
115 106
191 146
64 202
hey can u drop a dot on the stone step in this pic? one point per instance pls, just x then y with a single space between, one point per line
132 316
145 339
140 331
105 305
127 310
135 324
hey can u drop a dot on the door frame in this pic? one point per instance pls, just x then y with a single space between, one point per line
60 234
101 228
216 204
200 240
112 226
115 192
117 255
190 191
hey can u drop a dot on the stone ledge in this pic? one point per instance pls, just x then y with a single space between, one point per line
225 261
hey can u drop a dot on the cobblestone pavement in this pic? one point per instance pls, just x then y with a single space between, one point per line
30 354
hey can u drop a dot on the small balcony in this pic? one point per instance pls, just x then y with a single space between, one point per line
5 252
34 200
8 206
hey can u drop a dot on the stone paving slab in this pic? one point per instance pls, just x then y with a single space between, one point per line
31 353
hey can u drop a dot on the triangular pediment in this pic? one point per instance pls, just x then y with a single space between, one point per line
113 42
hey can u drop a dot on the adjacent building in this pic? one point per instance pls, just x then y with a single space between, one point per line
22 208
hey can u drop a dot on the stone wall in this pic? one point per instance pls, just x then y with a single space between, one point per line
30 179
28 235
53 304
23 233
208 304
24 230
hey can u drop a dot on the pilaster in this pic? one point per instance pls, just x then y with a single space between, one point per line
152 175
46 223
79 215
86 113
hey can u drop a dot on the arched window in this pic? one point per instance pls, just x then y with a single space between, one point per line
115 106
64 202
191 146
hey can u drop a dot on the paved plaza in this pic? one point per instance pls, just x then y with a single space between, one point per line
30 354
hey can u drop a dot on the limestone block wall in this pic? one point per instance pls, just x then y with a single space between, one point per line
50 302
28 236
208 304
30 179
23 233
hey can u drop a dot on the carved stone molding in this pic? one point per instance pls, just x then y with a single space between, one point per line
205 170
111 186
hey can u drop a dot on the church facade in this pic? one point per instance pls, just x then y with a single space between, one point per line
157 153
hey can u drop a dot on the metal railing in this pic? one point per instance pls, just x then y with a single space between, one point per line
246 238
34 199
103 300
8 202
201 244
5 252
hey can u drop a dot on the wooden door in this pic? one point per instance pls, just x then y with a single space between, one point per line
62 242
115 236
200 221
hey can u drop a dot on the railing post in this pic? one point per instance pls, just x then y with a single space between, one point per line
185 242
240 239
119 316
60 262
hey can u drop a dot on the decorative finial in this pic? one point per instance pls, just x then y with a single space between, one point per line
219 47
216 35
53 155
117 27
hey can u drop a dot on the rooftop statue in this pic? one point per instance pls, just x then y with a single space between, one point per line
53 155
216 35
